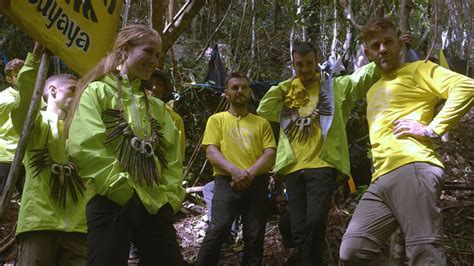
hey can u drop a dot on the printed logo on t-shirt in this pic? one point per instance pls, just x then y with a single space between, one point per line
377 103
242 137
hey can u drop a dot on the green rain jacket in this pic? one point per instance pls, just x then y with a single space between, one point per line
38 211
9 100
97 161
345 92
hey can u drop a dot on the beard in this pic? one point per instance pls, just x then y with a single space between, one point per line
241 101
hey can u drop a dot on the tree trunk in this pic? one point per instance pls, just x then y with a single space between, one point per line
299 12
125 13
334 33
237 43
253 45
180 22
157 9
276 12
171 10
405 9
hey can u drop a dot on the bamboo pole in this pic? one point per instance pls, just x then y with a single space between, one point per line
25 134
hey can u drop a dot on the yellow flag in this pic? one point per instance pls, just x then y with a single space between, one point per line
80 32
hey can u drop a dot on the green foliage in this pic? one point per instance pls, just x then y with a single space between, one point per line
13 44
195 105
360 192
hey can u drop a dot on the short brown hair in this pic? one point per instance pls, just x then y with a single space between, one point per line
165 79
377 24
14 64
303 48
235 75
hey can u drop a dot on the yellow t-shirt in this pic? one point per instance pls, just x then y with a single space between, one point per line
412 92
179 123
307 152
241 142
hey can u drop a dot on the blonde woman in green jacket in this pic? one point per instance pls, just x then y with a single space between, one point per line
51 222
127 149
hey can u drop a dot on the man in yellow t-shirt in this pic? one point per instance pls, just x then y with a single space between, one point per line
241 148
160 87
408 175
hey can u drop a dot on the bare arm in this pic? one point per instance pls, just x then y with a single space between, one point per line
264 163
241 179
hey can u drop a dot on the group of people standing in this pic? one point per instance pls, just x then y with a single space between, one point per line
104 164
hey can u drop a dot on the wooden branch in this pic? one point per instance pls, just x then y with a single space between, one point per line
462 205
215 31
7 245
237 43
194 189
428 54
349 15
253 44
180 22
405 9
25 134
247 35
458 186
221 106
276 12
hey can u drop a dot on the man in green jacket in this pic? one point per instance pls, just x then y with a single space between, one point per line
9 99
312 148
51 223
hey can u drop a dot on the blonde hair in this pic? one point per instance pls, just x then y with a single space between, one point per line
130 36
57 80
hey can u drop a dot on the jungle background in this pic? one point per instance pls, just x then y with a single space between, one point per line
255 37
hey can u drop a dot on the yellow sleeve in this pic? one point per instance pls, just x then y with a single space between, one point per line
179 123
446 84
182 137
268 138
212 134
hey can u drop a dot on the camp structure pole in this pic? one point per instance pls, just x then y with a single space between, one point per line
25 133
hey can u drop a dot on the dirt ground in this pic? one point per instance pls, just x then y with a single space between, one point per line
457 207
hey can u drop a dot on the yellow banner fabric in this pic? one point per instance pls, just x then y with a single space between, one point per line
80 32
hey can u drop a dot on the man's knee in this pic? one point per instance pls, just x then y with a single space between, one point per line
356 250
347 251
218 229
